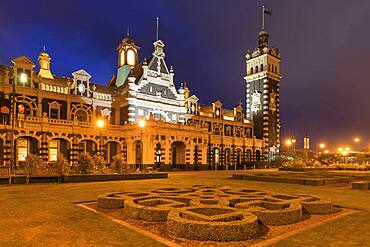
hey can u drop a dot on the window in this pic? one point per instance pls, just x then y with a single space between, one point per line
217 156
256 69
122 58
261 67
141 112
131 57
251 70
53 150
54 113
81 116
22 149
174 118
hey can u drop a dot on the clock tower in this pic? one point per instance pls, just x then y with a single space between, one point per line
262 92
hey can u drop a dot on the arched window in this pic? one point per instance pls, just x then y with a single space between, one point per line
261 67
256 69
122 58
158 153
251 70
216 153
81 116
131 57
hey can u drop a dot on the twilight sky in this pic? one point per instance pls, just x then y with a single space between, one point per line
325 48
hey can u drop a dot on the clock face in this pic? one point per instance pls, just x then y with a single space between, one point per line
81 88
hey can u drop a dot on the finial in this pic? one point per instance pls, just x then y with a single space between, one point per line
44 49
157 31
145 62
171 69
128 31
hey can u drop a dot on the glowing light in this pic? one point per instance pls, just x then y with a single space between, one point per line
340 149
322 145
23 77
288 142
356 139
344 153
100 123
326 151
293 140
142 123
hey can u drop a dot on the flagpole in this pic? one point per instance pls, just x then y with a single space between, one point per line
263 17
157 31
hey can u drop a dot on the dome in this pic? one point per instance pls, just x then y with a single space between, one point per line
263 32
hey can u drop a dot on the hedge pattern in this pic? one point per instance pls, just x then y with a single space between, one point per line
215 213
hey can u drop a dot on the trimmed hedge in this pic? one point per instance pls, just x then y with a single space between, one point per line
149 209
317 206
215 213
291 179
362 185
285 216
111 177
200 226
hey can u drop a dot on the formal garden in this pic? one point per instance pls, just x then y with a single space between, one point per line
51 214
214 214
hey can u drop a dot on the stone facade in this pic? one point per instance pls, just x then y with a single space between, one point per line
56 116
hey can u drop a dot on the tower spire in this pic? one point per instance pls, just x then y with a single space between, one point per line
128 31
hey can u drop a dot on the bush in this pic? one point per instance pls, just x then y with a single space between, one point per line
99 162
62 164
85 163
33 161
117 163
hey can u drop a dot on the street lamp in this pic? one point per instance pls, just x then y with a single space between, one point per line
100 123
23 78
142 124
322 145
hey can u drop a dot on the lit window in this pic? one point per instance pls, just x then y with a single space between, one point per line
53 150
130 57
174 118
217 155
141 112
122 58
22 149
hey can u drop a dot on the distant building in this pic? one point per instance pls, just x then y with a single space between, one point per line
57 115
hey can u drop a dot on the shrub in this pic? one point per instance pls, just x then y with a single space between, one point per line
85 163
99 162
62 164
117 163
33 161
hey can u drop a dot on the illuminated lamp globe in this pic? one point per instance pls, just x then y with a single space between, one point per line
100 123
142 123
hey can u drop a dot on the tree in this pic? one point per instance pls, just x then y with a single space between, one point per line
85 163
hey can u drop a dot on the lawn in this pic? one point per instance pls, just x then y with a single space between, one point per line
44 214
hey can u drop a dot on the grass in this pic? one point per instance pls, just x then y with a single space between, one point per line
44 214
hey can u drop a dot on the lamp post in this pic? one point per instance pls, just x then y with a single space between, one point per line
100 123
142 124
23 77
